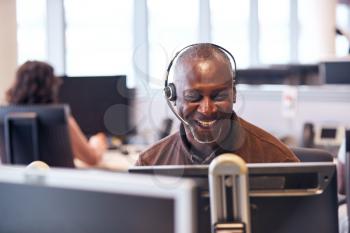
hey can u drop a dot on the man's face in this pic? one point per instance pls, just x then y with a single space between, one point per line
205 97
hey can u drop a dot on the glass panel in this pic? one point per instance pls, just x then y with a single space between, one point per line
230 28
31 30
172 25
98 37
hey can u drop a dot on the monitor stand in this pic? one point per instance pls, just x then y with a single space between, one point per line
229 200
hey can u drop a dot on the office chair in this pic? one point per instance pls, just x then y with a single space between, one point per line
312 155
166 127
347 173
343 182
318 155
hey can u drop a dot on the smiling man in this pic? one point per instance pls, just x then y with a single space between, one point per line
205 94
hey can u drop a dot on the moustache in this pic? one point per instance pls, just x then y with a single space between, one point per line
216 116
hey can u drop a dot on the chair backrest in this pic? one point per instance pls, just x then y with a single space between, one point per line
312 155
165 129
347 172
35 132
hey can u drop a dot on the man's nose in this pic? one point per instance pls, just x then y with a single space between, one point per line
207 106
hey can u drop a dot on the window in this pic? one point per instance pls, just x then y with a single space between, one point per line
31 30
108 37
172 25
98 37
230 24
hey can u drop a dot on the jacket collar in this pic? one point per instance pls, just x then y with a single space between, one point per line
230 144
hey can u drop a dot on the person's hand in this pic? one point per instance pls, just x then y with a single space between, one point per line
99 142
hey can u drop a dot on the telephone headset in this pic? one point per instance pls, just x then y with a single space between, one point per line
170 89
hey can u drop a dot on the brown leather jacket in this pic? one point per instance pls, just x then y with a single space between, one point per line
251 143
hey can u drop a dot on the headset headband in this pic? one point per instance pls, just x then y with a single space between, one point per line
188 46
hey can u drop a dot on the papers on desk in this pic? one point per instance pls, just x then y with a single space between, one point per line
116 160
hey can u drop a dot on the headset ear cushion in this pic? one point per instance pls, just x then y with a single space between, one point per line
170 92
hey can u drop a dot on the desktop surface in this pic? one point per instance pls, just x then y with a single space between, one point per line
284 197
119 159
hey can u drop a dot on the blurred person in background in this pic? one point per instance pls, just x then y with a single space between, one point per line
36 84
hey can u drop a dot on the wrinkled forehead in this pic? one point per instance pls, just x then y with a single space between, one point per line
209 66
203 71
202 52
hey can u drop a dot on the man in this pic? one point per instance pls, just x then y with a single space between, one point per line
204 81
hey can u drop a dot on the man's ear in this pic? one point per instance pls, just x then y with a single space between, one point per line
234 93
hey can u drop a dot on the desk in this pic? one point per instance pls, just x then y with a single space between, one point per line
115 160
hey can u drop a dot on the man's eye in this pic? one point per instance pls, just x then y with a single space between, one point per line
193 97
220 96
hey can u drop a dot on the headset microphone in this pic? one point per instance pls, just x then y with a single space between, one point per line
170 88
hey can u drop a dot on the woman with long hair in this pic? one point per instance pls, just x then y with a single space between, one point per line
36 83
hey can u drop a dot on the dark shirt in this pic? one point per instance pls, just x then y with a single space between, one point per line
251 143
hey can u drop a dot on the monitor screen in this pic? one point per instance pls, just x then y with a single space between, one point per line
335 72
284 197
66 201
99 103
347 140
328 132
35 132
329 135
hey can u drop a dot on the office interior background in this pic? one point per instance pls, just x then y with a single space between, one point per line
278 44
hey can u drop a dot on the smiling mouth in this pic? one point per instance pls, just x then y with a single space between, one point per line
206 124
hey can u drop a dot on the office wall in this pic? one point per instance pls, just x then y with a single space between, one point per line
8 44
321 105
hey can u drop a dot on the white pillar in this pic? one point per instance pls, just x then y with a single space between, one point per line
327 24
8 45
317 34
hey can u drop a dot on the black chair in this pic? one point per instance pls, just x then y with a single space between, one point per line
347 172
36 132
312 155
165 129
343 183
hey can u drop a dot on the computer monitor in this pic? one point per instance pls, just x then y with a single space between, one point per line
284 197
347 141
98 103
66 201
329 135
35 132
335 72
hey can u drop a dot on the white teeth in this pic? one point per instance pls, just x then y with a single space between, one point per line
206 123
